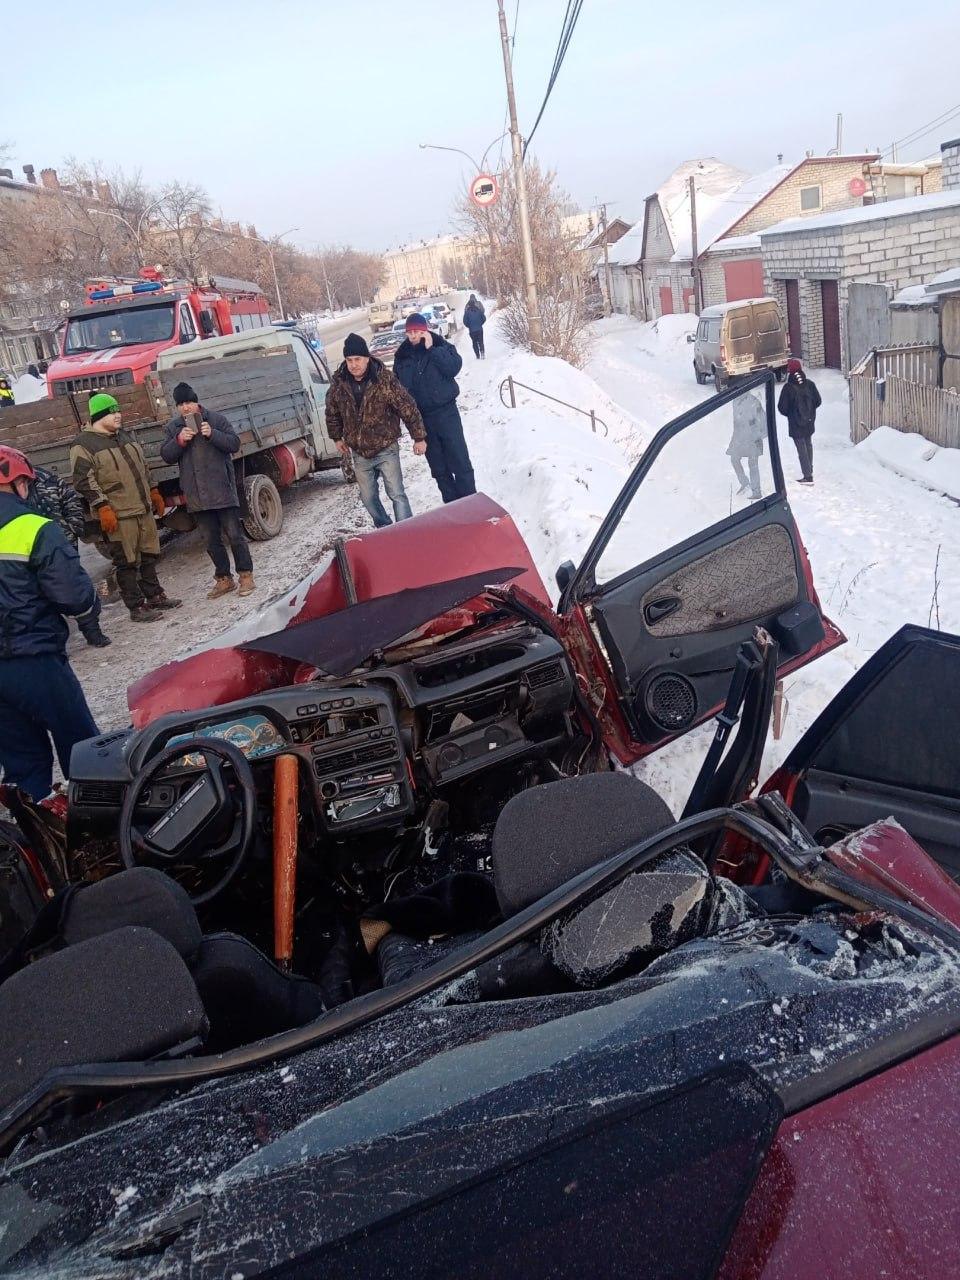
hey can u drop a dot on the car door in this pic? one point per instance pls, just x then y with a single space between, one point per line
886 745
688 563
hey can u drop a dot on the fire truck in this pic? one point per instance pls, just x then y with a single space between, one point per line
114 339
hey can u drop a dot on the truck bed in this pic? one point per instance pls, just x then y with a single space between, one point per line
262 395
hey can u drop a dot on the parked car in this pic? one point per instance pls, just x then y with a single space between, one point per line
409 307
439 319
384 345
445 313
380 316
736 339
527 994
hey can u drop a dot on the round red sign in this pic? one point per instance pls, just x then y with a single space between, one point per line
856 186
484 189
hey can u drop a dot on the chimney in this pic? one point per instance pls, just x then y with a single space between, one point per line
31 175
950 152
49 179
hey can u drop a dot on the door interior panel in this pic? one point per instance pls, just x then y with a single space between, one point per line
749 578
831 806
674 667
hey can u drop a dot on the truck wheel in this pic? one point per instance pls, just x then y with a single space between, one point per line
263 517
700 377
720 380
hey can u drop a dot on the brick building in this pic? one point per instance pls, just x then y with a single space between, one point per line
950 158
810 264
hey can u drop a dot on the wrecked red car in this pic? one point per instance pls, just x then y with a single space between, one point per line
357 957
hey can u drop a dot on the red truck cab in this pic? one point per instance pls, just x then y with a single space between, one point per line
114 339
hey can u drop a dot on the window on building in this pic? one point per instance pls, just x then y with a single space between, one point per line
811 198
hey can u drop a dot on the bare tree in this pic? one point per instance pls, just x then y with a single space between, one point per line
183 232
496 231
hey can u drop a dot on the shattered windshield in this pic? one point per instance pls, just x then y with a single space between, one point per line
128 328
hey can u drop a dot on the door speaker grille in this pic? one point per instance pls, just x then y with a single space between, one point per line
670 701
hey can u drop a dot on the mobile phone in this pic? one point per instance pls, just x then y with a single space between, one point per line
192 420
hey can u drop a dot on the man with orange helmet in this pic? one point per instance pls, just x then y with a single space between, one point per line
41 580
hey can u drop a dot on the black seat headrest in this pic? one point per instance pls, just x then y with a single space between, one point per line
550 833
125 996
142 896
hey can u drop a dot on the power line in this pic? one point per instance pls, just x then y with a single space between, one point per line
566 32
924 129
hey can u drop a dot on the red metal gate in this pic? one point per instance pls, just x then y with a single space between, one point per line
743 279
830 306
793 317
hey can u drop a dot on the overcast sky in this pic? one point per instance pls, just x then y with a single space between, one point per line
310 115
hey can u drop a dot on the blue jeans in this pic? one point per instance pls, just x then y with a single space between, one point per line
384 465
40 699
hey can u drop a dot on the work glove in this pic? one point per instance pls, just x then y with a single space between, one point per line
108 519
159 506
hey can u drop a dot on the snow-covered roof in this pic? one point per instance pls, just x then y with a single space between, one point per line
907 208
731 243
627 250
946 282
914 295
713 180
717 213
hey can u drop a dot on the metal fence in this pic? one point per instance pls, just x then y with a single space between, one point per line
897 387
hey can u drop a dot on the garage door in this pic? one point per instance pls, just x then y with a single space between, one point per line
743 279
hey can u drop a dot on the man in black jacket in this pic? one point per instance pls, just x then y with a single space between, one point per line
209 484
41 580
427 366
799 402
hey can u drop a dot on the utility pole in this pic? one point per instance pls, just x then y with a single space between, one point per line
526 242
694 255
608 304
326 282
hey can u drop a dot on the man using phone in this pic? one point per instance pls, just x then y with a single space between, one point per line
427 365
203 442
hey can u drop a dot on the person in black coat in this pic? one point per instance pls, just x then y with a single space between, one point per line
474 318
209 484
427 365
799 402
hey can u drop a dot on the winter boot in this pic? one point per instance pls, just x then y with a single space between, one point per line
247 584
95 638
144 613
222 587
163 601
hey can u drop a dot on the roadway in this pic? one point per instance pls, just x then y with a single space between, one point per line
333 332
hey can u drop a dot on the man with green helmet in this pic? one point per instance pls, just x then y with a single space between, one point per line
110 472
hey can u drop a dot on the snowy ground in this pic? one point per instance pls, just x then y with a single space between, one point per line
872 533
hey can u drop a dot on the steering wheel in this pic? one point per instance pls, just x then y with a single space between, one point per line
210 823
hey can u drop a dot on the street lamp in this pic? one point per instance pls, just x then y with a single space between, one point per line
135 232
273 264
477 169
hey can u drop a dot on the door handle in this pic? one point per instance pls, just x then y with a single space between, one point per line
657 610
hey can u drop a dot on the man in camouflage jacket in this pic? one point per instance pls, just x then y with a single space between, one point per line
59 501
364 409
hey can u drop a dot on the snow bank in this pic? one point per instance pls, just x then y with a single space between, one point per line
915 458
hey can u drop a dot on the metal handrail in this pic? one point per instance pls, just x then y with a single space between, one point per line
510 382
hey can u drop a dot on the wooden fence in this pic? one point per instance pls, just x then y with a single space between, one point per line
897 387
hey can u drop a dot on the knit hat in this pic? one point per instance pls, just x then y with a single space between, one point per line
794 366
416 323
183 393
354 345
100 405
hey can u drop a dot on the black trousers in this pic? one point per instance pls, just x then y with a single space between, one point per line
447 454
805 454
476 337
220 525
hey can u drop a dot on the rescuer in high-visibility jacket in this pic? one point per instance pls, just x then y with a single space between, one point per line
41 580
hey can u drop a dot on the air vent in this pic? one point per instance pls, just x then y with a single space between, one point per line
93 382
670 701
100 794
355 759
545 674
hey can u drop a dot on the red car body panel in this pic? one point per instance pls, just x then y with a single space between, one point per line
451 541
863 1184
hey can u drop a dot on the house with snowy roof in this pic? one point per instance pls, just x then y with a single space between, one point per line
654 263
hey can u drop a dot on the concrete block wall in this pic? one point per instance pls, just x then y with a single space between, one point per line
896 251
950 154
